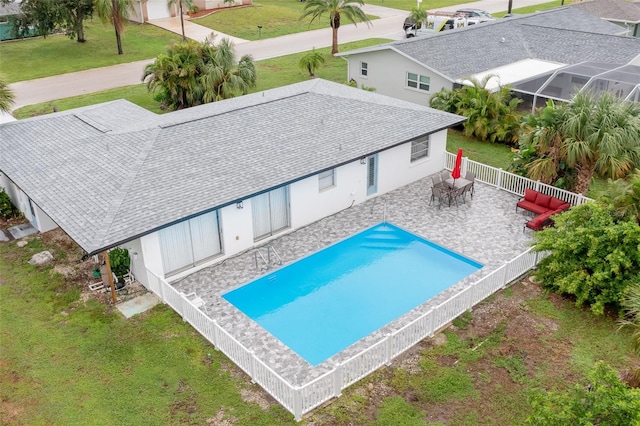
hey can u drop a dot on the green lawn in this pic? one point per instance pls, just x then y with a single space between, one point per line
278 17
35 58
66 362
272 73
531 9
493 154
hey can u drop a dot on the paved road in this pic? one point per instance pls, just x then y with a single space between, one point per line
78 83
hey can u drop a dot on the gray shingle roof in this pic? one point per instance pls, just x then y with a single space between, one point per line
557 35
618 10
105 185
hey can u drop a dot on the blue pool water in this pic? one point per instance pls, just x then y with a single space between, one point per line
327 301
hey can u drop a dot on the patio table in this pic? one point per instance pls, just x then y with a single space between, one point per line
458 185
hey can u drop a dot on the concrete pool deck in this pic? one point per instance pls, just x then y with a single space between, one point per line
486 229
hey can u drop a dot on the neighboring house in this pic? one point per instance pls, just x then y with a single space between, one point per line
620 12
7 12
148 10
192 187
513 50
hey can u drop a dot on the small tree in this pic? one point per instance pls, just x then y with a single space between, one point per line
604 400
311 61
351 9
7 98
115 12
182 5
491 115
419 16
193 73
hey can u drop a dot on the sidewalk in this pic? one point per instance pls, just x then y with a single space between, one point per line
389 26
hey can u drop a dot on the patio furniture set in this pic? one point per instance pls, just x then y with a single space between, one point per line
544 206
446 189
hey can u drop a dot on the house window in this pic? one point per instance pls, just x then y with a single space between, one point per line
327 179
418 81
420 148
364 69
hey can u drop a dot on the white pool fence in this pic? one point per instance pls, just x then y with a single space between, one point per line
300 400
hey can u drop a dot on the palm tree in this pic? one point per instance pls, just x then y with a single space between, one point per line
116 12
623 195
311 61
7 97
419 16
335 9
182 4
192 73
601 137
542 133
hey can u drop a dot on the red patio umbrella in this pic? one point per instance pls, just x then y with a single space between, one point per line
455 173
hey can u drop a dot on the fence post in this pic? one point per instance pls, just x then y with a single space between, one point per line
430 322
499 180
387 348
537 187
183 300
252 366
297 404
161 284
337 380
505 268
214 336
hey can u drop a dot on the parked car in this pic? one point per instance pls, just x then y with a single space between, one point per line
476 14
409 23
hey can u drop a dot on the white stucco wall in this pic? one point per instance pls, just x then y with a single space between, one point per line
387 73
237 227
19 199
309 204
150 245
136 255
395 168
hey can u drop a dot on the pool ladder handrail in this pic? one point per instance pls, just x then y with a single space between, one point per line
267 261
257 253
270 249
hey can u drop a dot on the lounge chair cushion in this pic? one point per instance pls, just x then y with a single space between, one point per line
530 195
540 221
543 200
555 203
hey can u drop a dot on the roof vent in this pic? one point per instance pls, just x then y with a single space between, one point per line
502 40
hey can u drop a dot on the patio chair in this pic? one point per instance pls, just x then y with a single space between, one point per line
436 179
470 176
454 194
439 192
128 278
196 301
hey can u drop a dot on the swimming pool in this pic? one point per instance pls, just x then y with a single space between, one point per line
323 303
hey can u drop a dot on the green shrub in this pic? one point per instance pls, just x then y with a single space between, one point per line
593 255
120 261
604 400
7 210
